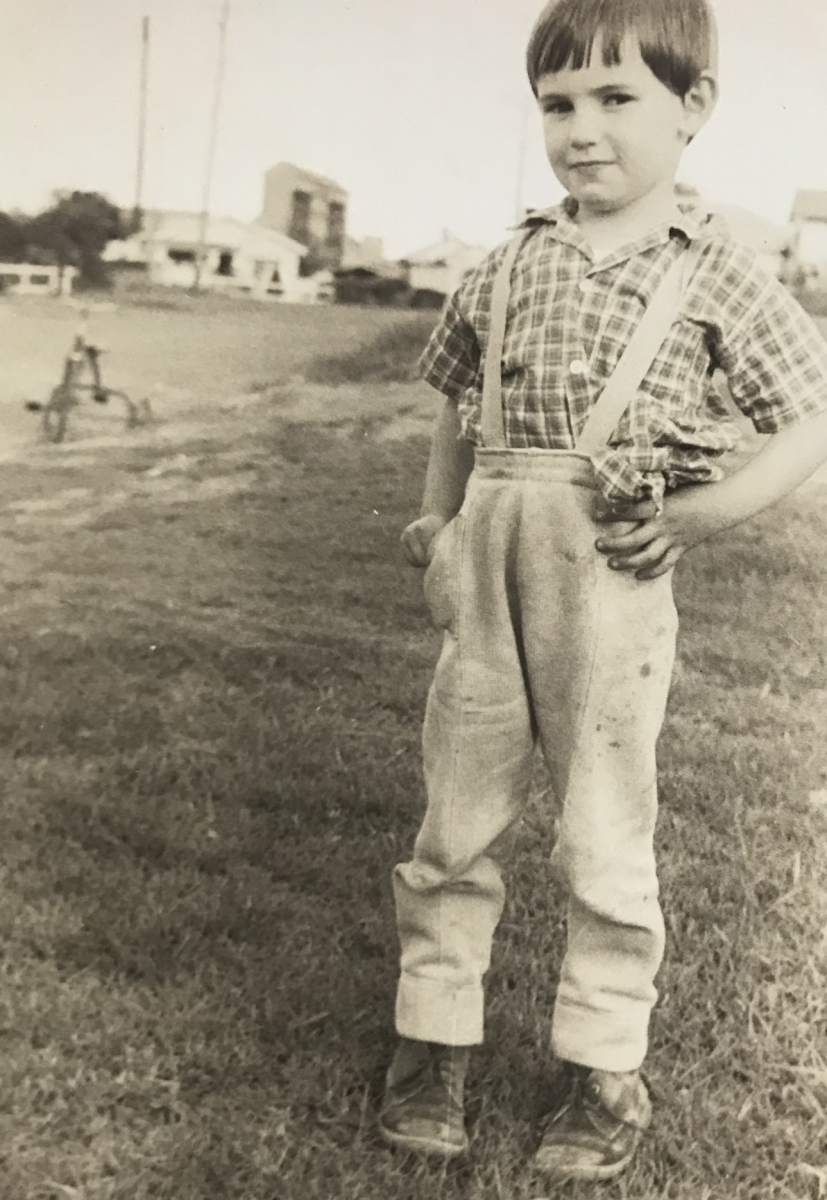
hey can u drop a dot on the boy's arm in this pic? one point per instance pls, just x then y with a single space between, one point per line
693 514
450 463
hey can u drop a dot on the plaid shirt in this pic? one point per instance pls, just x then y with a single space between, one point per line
569 320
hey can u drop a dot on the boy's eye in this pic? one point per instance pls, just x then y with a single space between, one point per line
616 99
556 106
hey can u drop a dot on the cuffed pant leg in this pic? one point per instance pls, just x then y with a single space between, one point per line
599 646
605 850
450 897
478 748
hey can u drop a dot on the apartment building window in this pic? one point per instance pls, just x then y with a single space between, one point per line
300 217
336 227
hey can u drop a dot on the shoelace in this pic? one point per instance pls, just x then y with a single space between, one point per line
436 1069
444 1064
584 1094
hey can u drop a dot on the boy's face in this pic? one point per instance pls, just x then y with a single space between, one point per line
615 134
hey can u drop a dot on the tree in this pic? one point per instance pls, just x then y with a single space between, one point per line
12 238
74 232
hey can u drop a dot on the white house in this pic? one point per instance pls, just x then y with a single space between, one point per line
237 256
809 219
369 252
28 279
770 240
442 266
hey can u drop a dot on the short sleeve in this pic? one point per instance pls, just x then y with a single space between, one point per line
775 359
451 360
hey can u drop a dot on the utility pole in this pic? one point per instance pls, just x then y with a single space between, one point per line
201 252
139 173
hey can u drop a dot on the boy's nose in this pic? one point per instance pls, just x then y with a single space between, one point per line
583 129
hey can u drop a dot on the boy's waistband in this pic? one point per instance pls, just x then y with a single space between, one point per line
543 466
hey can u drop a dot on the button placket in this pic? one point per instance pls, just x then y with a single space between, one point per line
575 359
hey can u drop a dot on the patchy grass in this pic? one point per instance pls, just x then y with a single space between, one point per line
202 350
389 357
211 705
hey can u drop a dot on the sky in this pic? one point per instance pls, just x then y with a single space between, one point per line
419 108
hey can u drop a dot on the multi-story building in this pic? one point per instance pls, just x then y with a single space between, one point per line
308 208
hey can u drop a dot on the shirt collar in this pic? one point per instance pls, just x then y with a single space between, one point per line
694 221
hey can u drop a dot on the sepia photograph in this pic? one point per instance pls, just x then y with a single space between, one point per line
413 672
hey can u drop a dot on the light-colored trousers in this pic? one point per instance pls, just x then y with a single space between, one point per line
541 639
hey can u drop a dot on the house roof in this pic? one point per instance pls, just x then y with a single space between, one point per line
810 206
223 233
753 230
447 249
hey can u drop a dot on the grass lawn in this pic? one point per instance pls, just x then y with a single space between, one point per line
212 689
173 345
212 680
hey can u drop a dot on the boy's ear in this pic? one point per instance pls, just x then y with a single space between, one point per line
699 104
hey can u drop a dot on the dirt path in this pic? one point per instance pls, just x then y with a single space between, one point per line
186 454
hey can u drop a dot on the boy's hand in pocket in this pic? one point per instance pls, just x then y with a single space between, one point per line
417 538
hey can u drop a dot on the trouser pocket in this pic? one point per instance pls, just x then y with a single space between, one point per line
441 582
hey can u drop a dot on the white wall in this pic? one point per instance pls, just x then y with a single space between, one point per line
812 244
250 273
29 279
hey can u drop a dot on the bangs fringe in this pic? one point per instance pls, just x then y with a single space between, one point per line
573 28
676 37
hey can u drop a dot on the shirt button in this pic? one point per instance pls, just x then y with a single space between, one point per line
578 367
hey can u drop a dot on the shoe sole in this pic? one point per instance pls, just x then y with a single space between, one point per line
584 1174
425 1146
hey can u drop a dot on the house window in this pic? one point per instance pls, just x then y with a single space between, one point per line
40 280
300 217
225 263
181 256
8 278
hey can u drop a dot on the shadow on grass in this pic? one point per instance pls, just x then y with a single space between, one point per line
212 756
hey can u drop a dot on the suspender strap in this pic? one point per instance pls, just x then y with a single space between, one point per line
628 375
637 358
491 417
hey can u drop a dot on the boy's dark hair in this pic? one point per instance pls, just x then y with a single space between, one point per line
677 38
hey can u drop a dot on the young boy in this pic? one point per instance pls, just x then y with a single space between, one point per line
550 547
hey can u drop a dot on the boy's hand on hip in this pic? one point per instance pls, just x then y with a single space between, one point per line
418 537
650 543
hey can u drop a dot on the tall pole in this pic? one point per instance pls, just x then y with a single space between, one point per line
139 173
203 223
